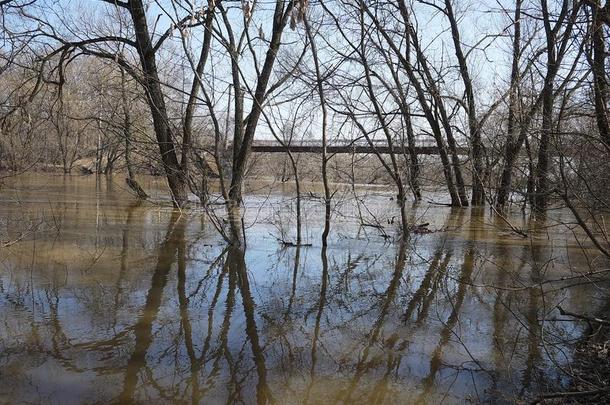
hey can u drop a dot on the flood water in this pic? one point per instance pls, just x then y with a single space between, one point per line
106 300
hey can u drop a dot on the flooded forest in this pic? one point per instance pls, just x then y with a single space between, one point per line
304 201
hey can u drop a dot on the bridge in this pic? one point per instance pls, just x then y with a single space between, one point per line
351 147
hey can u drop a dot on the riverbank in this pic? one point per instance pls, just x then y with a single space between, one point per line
589 369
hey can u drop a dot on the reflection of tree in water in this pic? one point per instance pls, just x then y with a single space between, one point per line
213 351
173 251
456 302
185 323
237 264
503 337
344 328
377 348
316 334
515 316
364 363
169 251
123 270
532 325
425 293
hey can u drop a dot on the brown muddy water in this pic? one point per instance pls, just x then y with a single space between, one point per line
103 300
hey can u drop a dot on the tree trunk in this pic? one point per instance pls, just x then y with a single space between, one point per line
421 95
321 95
456 188
555 53
478 191
600 77
413 159
542 168
510 153
548 98
244 145
163 132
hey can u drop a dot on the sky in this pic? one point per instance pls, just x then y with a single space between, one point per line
480 20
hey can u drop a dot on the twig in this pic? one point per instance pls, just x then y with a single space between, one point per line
23 235
583 317
507 222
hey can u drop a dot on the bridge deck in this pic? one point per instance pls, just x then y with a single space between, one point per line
360 149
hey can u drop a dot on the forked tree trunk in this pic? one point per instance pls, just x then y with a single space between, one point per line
244 145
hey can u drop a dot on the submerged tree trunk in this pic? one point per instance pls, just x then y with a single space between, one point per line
510 150
548 98
244 145
400 98
478 191
321 95
413 159
455 181
422 97
131 177
600 75
393 168
530 190
455 158
556 50
197 83
297 185
542 168
156 102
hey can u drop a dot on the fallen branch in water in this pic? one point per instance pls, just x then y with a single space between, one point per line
570 394
31 229
372 225
581 222
287 243
583 317
292 244
513 228
135 187
439 203
421 229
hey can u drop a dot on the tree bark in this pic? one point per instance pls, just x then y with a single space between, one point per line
321 95
548 98
163 131
240 159
478 191
600 77
187 136
515 77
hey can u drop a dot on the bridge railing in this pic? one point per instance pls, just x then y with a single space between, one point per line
339 143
